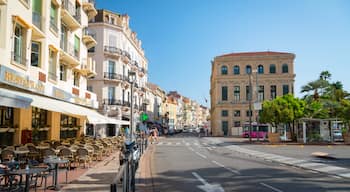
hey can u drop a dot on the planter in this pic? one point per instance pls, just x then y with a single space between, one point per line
274 137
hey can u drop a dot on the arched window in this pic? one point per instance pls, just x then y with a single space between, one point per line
272 68
285 68
248 69
260 69
224 70
236 70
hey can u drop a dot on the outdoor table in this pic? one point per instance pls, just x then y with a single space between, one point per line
55 161
20 153
28 173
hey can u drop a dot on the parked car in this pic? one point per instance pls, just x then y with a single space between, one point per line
337 135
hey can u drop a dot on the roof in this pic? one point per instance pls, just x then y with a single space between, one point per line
263 53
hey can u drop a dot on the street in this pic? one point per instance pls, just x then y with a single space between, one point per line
185 162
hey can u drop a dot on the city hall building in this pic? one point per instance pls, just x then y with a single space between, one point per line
44 67
240 82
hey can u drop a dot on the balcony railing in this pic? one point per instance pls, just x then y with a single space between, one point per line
127 54
116 76
19 58
69 6
112 102
126 104
69 48
114 50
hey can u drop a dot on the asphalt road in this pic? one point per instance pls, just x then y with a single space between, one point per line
185 162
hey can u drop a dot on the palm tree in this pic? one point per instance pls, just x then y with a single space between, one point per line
314 86
325 75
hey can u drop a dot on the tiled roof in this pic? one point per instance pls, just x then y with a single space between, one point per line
263 53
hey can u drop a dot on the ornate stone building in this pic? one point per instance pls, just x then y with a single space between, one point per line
241 81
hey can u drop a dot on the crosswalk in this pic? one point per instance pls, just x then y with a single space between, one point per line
209 146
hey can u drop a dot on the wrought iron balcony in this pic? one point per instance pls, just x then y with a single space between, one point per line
112 102
70 15
116 76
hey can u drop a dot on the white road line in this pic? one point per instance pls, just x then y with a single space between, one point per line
203 156
169 143
160 143
190 148
187 144
270 187
227 168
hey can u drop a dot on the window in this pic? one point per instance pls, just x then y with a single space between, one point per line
272 68
76 80
39 117
261 95
237 124
76 46
236 70
224 113
63 40
248 69
249 113
260 69
285 89
237 113
6 116
52 65
68 122
285 68
90 88
273 91
224 127
111 67
19 45
224 70
236 94
63 72
248 93
36 14
53 17
35 55
224 93
111 95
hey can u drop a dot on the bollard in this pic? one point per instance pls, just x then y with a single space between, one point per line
113 187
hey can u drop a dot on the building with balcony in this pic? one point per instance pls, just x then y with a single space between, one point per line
44 67
118 54
240 82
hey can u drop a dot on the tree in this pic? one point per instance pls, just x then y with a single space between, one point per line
283 110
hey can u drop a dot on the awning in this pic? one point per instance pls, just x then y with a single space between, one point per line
50 104
12 100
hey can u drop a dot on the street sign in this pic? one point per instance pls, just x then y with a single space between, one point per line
144 117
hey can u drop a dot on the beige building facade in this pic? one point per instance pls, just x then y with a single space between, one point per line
44 67
121 66
240 82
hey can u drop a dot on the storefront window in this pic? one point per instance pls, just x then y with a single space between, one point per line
6 124
69 127
39 124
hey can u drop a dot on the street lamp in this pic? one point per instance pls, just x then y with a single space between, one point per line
132 79
250 106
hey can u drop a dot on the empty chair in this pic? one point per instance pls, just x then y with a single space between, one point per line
82 156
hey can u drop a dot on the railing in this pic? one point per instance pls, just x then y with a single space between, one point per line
126 104
112 101
108 75
19 58
125 180
113 50
67 5
127 54
36 19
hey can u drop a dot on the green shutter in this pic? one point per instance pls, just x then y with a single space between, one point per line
36 6
53 11
76 43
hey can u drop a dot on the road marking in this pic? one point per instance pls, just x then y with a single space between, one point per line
227 168
270 187
203 156
169 143
160 143
190 148
206 186
177 143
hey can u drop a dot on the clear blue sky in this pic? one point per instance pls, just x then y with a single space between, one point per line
181 37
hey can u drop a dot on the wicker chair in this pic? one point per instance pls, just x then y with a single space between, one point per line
82 156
